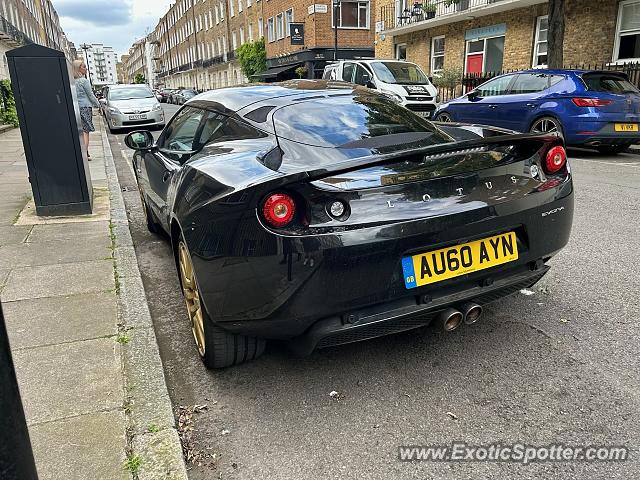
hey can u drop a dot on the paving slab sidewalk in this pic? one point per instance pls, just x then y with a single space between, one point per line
83 343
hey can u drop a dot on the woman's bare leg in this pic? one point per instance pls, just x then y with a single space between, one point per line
85 137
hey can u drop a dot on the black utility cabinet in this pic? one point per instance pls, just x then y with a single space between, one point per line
49 122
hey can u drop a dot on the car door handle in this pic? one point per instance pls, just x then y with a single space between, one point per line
493 107
531 105
166 176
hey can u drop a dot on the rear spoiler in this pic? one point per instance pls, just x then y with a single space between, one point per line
442 148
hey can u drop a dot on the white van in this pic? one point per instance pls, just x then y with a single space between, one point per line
403 81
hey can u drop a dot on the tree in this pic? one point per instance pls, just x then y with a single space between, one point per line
301 72
555 34
253 59
139 78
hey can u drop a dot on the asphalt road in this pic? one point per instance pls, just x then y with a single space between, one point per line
558 366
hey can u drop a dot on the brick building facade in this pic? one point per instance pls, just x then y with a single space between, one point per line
355 34
196 41
480 36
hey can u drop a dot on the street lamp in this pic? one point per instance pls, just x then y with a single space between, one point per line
86 47
336 11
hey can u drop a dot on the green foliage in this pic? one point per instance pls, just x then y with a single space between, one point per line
301 72
8 114
133 464
429 7
253 58
139 78
448 78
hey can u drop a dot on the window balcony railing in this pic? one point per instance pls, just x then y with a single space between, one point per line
184 67
405 13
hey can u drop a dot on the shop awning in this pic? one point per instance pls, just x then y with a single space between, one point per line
271 73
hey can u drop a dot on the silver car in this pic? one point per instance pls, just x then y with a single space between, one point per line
131 106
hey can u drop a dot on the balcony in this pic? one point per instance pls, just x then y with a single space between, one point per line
11 34
405 17
185 67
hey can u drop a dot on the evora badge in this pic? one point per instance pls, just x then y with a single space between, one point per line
551 212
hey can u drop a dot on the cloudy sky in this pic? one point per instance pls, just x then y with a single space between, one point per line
116 23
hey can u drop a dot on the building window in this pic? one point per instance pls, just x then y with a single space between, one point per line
437 54
279 26
260 28
540 46
234 40
239 5
250 32
288 19
485 55
401 51
241 35
248 3
627 43
270 31
352 15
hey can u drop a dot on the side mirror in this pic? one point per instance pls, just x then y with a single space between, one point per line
430 79
139 140
102 100
473 95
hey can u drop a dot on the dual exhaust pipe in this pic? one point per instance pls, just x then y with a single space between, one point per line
452 318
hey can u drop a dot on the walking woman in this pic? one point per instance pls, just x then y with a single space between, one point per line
86 100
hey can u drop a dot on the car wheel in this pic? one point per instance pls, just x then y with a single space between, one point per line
547 125
217 348
443 117
149 217
613 149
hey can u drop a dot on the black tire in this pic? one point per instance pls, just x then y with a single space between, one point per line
150 219
443 117
221 348
613 149
224 349
547 125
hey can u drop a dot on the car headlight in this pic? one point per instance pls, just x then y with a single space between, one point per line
395 97
157 107
114 110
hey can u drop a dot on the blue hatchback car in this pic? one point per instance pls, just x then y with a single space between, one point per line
598 109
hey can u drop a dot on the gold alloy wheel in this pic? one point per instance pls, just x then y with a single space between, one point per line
191 296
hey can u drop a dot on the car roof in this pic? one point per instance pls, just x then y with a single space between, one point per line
128 85
276 94
565 71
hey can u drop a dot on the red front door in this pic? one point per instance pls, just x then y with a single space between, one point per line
474 63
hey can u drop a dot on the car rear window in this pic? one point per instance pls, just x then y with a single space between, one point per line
606 82
345 121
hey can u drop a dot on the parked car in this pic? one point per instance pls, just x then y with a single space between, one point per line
131 106
598 109
165 94
404 81
181 96
323 216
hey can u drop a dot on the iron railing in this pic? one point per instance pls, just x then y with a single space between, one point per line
405 12
469 81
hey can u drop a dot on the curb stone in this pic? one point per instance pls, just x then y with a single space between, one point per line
147 398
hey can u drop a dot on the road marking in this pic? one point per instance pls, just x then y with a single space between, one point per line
128 161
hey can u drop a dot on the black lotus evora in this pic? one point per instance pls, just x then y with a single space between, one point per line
323 213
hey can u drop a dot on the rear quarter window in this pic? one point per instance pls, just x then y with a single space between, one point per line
341 121
606 82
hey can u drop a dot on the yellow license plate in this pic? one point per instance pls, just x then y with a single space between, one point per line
438 265
626 127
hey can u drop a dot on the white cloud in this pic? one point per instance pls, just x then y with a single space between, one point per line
115 23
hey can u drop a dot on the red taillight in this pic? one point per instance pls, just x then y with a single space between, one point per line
591 102
278 209
556 158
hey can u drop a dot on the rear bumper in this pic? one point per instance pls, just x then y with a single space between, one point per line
594 133
407 314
